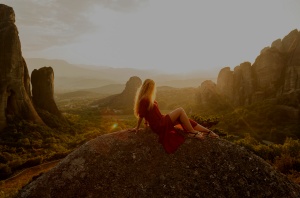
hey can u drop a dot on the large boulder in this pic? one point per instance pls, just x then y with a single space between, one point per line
125 164
15 97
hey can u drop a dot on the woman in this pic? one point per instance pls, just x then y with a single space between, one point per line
146 107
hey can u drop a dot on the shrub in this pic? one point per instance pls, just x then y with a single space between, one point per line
284 163
291 147
266 152
24 142
5 171
3 159
37 143
31 162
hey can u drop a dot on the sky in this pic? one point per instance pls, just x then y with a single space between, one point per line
172 36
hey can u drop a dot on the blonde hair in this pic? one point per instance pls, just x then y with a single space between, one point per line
146 91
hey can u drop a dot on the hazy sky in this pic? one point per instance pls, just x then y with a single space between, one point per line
169 35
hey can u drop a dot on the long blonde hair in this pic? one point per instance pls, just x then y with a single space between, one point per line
146 91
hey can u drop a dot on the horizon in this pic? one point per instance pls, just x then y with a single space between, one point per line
192 36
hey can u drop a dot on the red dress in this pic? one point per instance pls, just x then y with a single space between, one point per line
163 126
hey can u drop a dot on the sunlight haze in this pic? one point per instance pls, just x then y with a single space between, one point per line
172 36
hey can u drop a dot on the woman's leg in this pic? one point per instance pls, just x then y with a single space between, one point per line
179 116
201 128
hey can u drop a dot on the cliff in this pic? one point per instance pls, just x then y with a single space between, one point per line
274 75
15 93
15 90
125 164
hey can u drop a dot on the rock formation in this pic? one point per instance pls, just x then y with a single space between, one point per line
42 81
275 72
43 90
125 164
225 83
206 92
125 99
243 84
15 94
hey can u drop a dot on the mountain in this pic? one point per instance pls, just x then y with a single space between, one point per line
126 164
72 77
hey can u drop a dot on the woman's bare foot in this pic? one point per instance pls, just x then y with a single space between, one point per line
197 135
211 134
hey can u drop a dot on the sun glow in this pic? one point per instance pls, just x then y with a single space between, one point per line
114 126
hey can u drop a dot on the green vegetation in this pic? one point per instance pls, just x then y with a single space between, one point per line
284 157
264 121
24 144
261 128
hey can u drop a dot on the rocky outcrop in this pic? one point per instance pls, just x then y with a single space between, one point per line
43 90
124 100
275 72
43 96
15 96
125 164
243 85
225 83
206 92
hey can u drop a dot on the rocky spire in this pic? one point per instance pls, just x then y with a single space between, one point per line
43 90
125 99
15 100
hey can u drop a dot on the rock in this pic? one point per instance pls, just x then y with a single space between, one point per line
43 90
268 69
291 79
125 164
264 50
15 97
206 92
277 44
243 84
274 73
124 100
225 83
290 41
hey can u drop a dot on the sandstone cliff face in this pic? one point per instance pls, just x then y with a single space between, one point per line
15 98
274 73
125 164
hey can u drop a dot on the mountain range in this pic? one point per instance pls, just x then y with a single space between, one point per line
73 77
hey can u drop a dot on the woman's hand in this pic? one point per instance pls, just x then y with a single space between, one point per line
146 124
135 129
